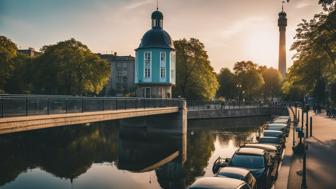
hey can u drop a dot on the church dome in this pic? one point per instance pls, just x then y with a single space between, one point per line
156 37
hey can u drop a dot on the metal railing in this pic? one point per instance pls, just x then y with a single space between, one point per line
219 105
26 105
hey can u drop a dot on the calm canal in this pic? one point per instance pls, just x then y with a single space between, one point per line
109 155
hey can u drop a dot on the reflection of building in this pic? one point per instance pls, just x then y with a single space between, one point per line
29 52
122 74
155 62
282 23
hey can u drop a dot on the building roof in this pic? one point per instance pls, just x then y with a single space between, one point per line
29 52
116 58
156 38
217 183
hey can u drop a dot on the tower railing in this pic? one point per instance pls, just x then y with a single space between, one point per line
27 105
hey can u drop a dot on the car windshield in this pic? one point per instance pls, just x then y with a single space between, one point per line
247 161
269 140
272 134
275 128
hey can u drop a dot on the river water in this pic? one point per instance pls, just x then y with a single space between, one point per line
109 155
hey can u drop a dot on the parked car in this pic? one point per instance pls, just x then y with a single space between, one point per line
238 173
271 149
277 142
258 161
219 183
274 133
278 127
278 120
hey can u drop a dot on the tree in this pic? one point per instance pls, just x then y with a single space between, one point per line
249 78
21 78
227 84
315 59
273 81
195 77
69 67
7 55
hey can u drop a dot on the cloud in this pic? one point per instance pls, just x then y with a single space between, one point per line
137 3
302 4
239 26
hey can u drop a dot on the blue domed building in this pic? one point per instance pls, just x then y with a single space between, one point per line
155 62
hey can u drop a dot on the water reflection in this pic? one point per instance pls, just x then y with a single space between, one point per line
107 155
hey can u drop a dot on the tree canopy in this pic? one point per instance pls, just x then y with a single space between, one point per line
227 84
195 77
68 67
250 80
314 67
7 56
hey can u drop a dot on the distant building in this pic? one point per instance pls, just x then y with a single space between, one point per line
155 62
282 23
122 74
29 52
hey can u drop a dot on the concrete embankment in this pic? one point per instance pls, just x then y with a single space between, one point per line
231 113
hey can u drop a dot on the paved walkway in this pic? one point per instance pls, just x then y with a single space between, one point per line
321 157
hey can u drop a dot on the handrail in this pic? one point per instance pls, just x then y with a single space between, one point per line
26 105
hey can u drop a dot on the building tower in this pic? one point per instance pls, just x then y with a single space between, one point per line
282 23
155 61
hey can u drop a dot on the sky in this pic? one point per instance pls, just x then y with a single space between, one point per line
231 30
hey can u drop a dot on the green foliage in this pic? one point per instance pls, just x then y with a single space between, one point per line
21 79
69 67
227 84
249 81
273 82
195 76
249 78
7 55
315 61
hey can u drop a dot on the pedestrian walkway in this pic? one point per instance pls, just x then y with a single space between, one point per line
321 157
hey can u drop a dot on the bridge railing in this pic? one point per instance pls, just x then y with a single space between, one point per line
26 105
219 105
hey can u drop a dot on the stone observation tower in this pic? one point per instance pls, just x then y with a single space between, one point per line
155 61
282 23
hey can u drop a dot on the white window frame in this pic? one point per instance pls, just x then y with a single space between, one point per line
145 69
172 67
163 66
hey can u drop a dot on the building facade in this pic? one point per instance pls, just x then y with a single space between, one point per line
121 81
155 71
282 23
29 52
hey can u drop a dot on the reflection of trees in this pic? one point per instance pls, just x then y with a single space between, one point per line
200 147
66 152
176 175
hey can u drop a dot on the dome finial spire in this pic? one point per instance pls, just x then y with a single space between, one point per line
157 4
